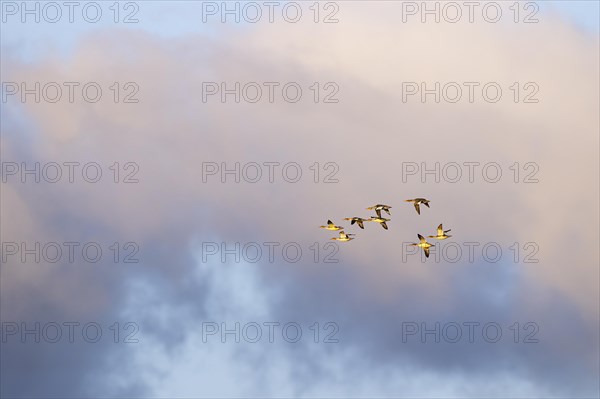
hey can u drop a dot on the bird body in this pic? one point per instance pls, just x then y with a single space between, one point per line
358 221
343 237
423 244
381 221
441 233
379 207
331 226
417 201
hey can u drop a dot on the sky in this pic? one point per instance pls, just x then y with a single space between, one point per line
160 231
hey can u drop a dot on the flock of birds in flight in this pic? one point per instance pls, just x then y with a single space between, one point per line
441 233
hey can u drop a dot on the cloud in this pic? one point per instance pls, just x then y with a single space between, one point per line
368 134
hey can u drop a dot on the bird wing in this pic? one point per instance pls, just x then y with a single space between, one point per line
329 222
378 212
426 204
417 208
440 230
421 238
426 252
384 225
360 224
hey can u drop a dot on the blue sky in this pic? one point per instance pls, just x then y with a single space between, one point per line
585 14
171 19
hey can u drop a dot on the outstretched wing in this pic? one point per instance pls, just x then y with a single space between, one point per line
426 252
329 222
426 204
384 225
440 230
421 237
417 208
378 212
360 224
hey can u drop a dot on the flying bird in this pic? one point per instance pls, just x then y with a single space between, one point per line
343 237
358 221
441 233
331 226
381 221
378 208
423 244
418 201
